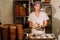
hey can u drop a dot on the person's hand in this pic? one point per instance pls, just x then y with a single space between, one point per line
36 25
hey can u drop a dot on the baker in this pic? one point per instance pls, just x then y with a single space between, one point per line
37 17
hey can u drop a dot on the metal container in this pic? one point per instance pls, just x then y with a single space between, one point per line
12 32
4 30
20 31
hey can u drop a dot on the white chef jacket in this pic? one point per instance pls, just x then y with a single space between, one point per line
42 17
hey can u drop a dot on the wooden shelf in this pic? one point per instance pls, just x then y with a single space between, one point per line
21 16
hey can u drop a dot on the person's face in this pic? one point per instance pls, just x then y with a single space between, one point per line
37 7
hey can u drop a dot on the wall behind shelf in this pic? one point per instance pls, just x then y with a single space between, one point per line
55 16
6 11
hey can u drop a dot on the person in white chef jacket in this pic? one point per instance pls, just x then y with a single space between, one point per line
38 17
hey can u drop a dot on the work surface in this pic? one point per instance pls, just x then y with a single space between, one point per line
41 36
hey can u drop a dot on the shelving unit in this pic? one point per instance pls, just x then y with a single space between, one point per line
20 17
28 7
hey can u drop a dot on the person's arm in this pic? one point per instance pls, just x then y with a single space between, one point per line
45 20
45 23
30 24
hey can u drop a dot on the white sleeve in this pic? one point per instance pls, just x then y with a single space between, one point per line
30 18
45 17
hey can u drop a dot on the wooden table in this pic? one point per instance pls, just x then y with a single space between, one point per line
41 37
